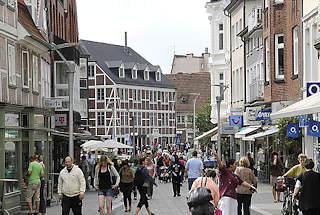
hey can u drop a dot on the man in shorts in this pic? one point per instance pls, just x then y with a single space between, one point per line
35 172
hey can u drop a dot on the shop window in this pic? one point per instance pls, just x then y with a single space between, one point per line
11 172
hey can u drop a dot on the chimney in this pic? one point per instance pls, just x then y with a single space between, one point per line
125 39
206 50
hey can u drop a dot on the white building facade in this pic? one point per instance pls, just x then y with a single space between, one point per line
220 60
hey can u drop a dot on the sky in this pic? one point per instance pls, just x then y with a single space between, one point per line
156 28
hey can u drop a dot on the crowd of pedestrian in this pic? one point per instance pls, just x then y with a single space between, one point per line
231 186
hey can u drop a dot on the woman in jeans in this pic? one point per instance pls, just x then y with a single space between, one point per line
126 184
227 186
103 183
152 169
243 193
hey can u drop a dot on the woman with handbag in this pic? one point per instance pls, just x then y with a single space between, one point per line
227 186
212 186
106 180
126 184
243 193
142 180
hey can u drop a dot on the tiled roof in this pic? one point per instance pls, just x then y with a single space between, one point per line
27 21
191 83
103 54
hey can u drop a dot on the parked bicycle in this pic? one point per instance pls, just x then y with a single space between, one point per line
286 185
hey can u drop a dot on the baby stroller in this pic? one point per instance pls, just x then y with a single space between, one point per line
164 174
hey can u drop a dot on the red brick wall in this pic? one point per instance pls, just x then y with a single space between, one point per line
282 19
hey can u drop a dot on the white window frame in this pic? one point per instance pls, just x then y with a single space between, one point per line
121 72
23 69
158 76
12 72
91 73
240 29
146 75
235 35
100 94
295 50
134 73
277 47
266 4
220 32
241 78
233 40
267 59
35 73
100 119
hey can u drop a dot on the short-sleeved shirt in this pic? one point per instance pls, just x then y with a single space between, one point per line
36 170
228 182
194 165
295 171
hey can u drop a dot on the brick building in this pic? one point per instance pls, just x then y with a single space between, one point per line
188 86
129 97
281 21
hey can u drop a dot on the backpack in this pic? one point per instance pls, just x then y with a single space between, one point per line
200 196
139 178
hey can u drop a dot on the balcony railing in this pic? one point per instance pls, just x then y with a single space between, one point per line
256 91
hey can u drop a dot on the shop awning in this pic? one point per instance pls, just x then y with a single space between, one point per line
309 105
208 133
246 131
270 131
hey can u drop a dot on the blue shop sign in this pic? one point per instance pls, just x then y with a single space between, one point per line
263 115
236 120
312 88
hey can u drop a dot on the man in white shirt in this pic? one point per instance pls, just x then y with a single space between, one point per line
71 188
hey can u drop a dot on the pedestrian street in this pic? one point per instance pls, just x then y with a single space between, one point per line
163 202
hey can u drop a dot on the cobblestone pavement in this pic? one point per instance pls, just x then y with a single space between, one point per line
163 203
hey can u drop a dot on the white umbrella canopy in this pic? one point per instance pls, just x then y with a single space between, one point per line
108 144
89 143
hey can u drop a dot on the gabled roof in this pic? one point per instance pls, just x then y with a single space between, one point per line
27 21
103 52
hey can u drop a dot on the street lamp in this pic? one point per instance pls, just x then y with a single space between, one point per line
194 113
133 131
70 83
219 99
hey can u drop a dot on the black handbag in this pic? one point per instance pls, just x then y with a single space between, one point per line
199 196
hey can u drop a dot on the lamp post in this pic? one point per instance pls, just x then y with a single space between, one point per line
133 132
219 99
194 113
70 72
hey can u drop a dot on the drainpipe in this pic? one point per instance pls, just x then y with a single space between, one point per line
244 59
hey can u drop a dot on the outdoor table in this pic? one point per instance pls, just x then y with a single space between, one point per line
2 194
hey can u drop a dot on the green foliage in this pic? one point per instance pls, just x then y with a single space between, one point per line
203 122
291 146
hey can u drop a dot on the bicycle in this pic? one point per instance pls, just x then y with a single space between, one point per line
286 185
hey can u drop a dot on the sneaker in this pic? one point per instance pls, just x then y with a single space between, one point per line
179 194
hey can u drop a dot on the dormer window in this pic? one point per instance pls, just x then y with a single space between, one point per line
158 75
146 75
121 72
134 74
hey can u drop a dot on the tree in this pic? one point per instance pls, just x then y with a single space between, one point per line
203 121
290 146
